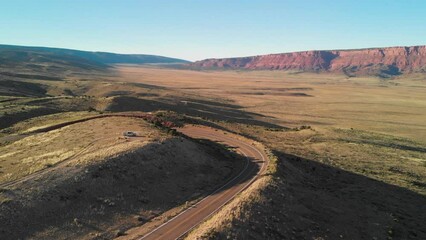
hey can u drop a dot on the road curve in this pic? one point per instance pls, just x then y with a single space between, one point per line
188 219
193 216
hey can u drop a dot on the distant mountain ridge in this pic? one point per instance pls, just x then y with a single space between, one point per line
389 61
101 58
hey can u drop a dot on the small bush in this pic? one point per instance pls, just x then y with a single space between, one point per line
48 165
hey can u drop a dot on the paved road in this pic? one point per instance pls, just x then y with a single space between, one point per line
193 216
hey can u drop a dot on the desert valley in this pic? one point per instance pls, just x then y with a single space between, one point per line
304 145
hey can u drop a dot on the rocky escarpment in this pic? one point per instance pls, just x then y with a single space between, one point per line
375 61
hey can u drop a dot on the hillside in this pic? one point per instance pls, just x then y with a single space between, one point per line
30 71
98 57
37 60
375 61
78 182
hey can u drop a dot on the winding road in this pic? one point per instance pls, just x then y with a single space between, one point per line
184 222
181 224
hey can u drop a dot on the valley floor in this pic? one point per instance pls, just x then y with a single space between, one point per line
351 151
348 154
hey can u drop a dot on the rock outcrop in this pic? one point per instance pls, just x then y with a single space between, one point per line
374 61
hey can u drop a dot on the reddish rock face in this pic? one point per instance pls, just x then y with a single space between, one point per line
389 61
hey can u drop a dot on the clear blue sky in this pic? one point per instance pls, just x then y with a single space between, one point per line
198 29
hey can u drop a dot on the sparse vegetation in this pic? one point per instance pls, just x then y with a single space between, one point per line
107 181
343 156
330 140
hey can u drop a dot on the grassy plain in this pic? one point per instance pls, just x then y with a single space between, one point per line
351 151
370 125
390 106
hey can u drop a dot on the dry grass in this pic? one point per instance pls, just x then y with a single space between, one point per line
49 120
89 181
393 107
363 158
95 139
370 126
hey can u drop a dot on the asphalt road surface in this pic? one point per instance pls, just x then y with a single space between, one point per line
184 222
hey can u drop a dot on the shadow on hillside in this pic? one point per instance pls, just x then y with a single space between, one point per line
10 119
192 107
332 203
399 146
93 198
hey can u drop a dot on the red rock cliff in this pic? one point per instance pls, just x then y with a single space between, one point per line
390 61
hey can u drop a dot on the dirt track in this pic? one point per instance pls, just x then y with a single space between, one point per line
194 215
